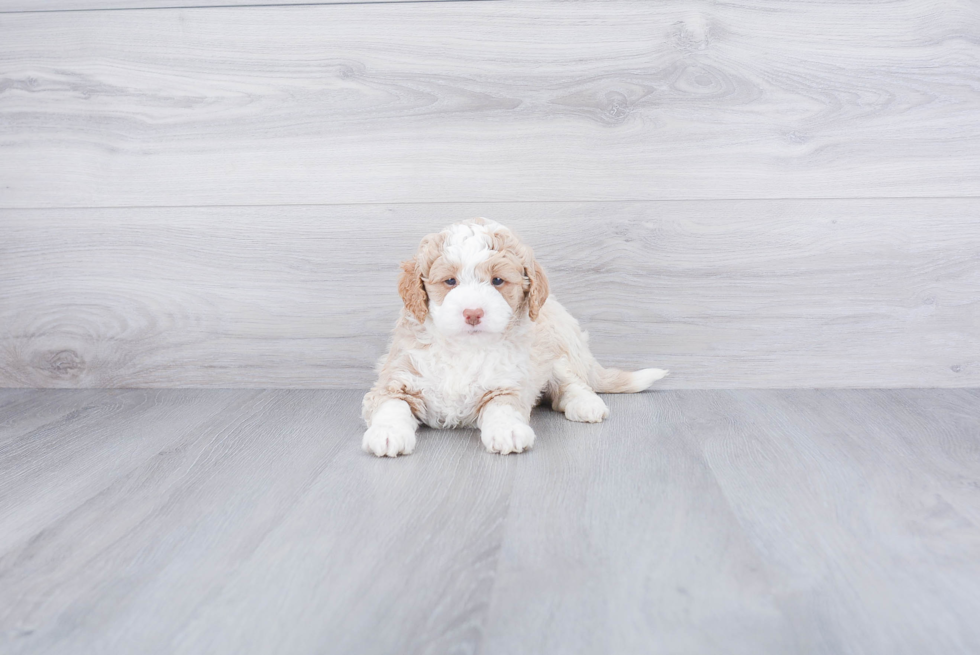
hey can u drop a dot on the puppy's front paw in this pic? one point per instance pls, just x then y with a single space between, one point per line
507 436
586 409
389 440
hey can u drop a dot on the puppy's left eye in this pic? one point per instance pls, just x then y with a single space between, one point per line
451 282
497 281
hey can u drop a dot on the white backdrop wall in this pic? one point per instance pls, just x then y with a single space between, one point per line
768 194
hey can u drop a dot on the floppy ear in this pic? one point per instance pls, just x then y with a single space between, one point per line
537 292
411 285
412 290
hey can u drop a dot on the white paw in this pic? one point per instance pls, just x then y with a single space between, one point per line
507 436
389 440
586 409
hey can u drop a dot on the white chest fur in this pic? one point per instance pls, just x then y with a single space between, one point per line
454 378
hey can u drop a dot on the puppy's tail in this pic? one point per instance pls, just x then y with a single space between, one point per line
613 380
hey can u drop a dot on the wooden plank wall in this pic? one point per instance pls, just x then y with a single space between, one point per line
24 6
768 194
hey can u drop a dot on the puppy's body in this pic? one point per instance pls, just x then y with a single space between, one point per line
479 343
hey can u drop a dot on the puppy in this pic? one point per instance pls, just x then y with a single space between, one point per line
479 342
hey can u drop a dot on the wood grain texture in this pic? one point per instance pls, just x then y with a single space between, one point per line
490 101
36 6
746 521
63 460
856 293
862 463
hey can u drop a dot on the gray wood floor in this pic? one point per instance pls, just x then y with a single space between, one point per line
220 521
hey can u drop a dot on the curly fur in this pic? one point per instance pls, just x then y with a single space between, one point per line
445 371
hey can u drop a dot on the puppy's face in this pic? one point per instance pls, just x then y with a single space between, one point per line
473 278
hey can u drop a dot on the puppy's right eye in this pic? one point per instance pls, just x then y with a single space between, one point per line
451 282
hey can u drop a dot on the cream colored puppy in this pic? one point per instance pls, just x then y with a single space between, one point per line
479 342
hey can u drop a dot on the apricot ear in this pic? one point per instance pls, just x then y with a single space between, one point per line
412 290
537 292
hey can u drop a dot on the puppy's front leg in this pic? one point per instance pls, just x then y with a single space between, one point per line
504 428
392 430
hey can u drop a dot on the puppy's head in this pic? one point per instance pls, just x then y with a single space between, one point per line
474 277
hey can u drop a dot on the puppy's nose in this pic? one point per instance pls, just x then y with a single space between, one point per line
473 316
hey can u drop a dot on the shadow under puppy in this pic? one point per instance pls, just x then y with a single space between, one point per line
478 343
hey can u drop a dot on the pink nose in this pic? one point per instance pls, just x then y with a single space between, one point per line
473 316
